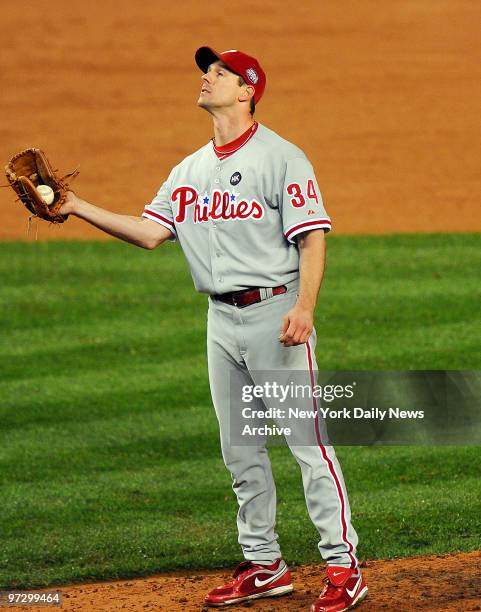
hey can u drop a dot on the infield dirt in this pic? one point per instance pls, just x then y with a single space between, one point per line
382 97
440 583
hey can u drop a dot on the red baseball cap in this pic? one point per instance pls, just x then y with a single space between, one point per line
242 64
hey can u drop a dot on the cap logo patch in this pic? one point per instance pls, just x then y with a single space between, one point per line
252 74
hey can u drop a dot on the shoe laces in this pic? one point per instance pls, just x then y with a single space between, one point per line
240 570
329 590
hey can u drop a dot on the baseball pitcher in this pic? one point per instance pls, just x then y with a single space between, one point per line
249 216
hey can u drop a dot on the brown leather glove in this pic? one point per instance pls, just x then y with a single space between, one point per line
31 168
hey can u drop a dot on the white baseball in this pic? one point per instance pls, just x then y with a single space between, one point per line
46 193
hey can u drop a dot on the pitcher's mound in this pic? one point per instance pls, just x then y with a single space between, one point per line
438 582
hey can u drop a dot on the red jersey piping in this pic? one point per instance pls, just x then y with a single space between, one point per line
231 147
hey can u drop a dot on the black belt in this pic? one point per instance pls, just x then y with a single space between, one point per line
247 297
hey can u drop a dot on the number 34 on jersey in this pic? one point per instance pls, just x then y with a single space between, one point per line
299 196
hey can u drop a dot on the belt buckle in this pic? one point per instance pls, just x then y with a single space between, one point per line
235 299
236 296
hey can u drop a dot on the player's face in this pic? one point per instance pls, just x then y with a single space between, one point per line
220 87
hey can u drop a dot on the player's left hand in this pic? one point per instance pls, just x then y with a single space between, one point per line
296 326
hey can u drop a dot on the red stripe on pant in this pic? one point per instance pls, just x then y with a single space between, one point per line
331 466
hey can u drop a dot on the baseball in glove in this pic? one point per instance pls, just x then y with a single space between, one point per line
30 169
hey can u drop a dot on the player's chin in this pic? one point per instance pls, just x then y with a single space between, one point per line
202 102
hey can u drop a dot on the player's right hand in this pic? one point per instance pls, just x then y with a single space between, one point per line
70 204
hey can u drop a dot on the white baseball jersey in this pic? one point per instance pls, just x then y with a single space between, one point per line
237 217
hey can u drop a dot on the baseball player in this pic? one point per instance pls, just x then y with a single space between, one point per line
247 211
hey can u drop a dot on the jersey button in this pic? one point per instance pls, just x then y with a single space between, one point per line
221 279
217 168
216 180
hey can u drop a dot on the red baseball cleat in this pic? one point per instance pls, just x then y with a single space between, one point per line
251 581
344 589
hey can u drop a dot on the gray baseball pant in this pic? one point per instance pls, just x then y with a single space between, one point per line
247 340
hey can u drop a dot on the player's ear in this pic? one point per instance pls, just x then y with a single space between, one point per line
246 93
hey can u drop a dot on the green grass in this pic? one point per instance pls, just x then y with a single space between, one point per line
109 456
